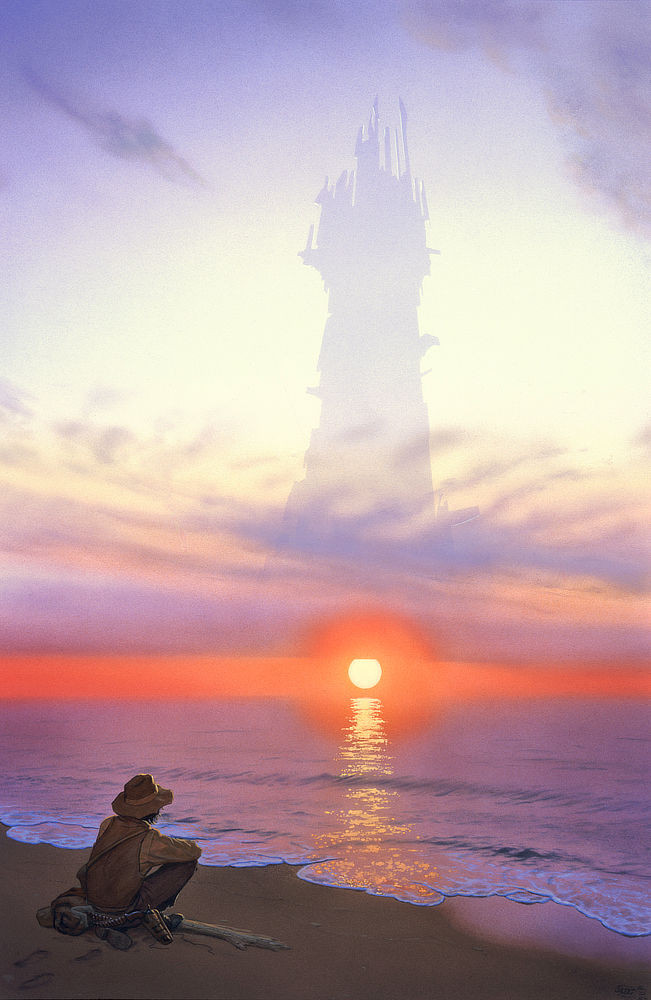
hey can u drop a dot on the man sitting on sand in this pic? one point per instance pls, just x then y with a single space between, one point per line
133 867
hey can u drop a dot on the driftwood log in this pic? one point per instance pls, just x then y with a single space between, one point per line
82 917
238 938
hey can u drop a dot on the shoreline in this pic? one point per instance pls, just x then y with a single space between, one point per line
345 944
561 926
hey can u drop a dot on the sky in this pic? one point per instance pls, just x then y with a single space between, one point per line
158 173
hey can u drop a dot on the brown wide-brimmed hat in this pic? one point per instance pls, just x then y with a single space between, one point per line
141 797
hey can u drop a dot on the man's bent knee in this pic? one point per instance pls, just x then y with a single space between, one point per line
161 888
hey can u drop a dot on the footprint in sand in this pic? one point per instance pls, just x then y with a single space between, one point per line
93 953
41 980
32 957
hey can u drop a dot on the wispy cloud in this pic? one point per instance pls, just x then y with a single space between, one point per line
122 137
74 613
592 60
122 514
541 515
14 401
105 443
104 397
643 438
496 468
439 441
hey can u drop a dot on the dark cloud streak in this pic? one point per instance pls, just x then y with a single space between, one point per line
121 137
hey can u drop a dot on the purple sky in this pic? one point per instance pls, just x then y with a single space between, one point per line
158 170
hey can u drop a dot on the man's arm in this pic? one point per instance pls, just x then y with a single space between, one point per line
157 849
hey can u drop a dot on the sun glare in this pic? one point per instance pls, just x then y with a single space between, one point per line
365 673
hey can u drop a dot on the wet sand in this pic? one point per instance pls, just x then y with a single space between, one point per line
345 945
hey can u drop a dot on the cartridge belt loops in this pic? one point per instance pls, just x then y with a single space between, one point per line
96 918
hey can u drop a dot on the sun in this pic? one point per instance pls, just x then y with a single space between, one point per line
365 673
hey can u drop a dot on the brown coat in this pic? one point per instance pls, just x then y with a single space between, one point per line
132 848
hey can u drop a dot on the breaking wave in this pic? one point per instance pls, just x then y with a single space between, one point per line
470 813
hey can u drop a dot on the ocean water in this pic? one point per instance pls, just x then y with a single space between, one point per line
531 800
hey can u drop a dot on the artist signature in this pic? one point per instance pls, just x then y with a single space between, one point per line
632 992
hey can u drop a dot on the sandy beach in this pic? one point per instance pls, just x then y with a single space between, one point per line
345 945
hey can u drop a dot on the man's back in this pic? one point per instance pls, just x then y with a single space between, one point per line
112 875
132 865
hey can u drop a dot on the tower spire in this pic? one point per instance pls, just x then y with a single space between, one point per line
403 129
370 452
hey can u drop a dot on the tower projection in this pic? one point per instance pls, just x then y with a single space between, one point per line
367 467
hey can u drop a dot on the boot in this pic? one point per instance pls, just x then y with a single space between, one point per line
173 920
117 939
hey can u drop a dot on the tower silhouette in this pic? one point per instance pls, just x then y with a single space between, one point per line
368 467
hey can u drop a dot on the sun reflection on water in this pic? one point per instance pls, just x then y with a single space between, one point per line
366 847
